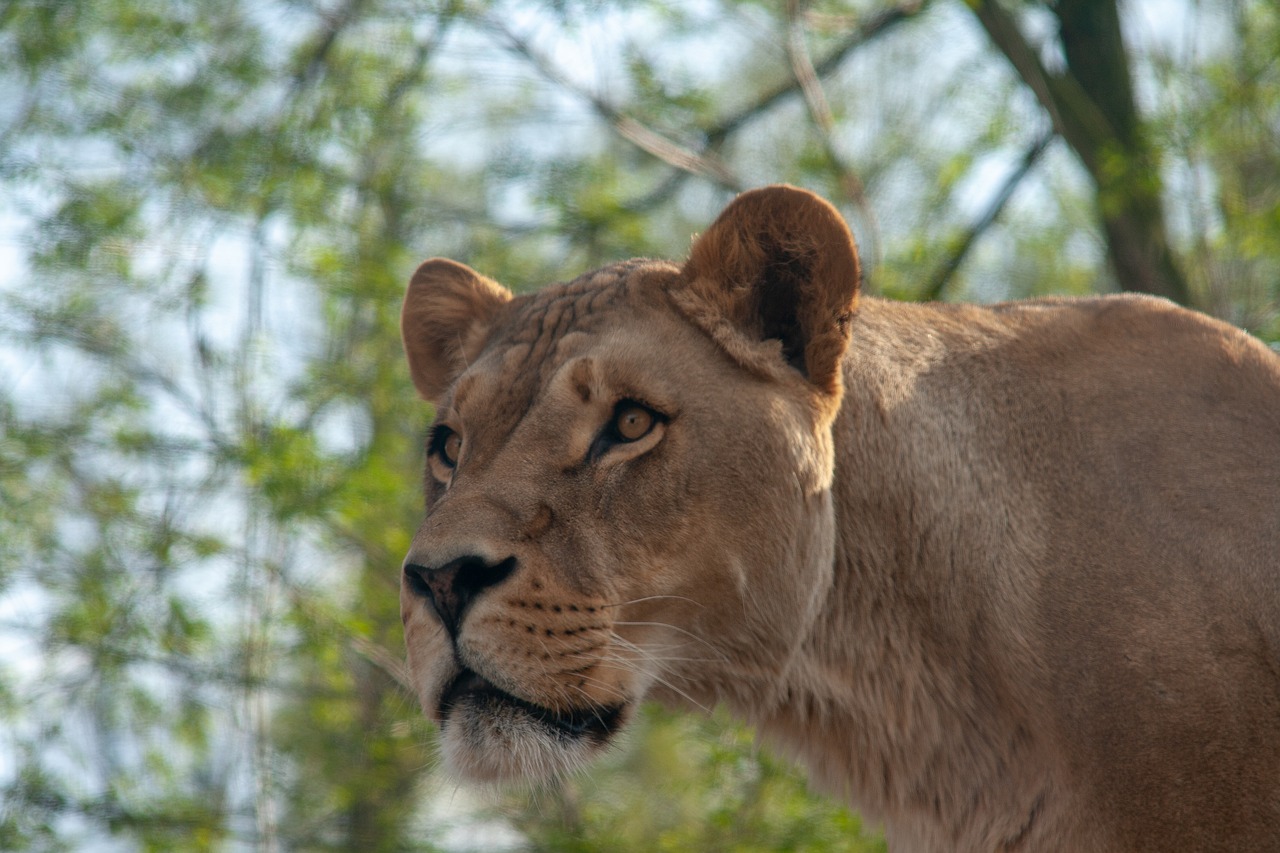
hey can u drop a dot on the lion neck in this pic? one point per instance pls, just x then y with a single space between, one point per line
894 692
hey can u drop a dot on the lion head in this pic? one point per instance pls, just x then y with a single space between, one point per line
627 486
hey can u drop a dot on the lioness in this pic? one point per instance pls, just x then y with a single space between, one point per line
1005 578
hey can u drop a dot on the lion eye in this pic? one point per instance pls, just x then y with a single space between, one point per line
632 422
451 448
446 445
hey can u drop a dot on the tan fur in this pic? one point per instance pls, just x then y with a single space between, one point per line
1006 578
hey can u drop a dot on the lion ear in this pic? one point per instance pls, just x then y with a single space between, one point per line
447 312
780 264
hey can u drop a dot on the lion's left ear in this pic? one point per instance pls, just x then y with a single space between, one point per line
447 312
778 264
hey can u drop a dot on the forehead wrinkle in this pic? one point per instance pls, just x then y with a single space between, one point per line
502 395
546 318
540 332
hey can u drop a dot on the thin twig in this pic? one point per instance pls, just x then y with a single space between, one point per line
645 138
873 28
715 135
961 247
383 659
1073 113
820 113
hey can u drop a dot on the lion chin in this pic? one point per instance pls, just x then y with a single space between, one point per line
489 735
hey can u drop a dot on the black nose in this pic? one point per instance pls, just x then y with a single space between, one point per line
452 587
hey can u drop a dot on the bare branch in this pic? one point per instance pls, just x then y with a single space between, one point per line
804 73
383 659
873 28
717 134
820 113
705 164
961 247
335 23
1091 105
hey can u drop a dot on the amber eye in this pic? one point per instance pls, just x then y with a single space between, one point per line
445 444
632 422
451 447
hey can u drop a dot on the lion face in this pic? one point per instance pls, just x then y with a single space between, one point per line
598 526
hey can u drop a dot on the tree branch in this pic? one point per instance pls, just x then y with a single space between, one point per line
717 134
872 29
705 164
1091 106
1073 114
960 249
820 113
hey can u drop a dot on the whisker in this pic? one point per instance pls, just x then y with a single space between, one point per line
657 654
658 674
595 704
683 598
678 629
659 678
650 654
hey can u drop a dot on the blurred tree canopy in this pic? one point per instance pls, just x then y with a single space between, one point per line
210 453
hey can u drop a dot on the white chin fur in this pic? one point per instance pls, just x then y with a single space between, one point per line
509 746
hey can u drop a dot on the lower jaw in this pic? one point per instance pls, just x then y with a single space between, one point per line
481 698
486 740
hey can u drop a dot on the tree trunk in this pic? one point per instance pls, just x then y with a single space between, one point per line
1092 107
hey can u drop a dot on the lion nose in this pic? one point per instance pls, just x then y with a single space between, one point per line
452 587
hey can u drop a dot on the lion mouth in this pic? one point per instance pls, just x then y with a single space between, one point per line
470 689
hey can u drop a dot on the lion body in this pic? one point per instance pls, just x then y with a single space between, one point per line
1057 585
1005 578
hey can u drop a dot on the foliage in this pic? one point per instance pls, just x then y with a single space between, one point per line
695 785
209 449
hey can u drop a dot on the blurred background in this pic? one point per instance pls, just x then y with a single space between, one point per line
210 452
